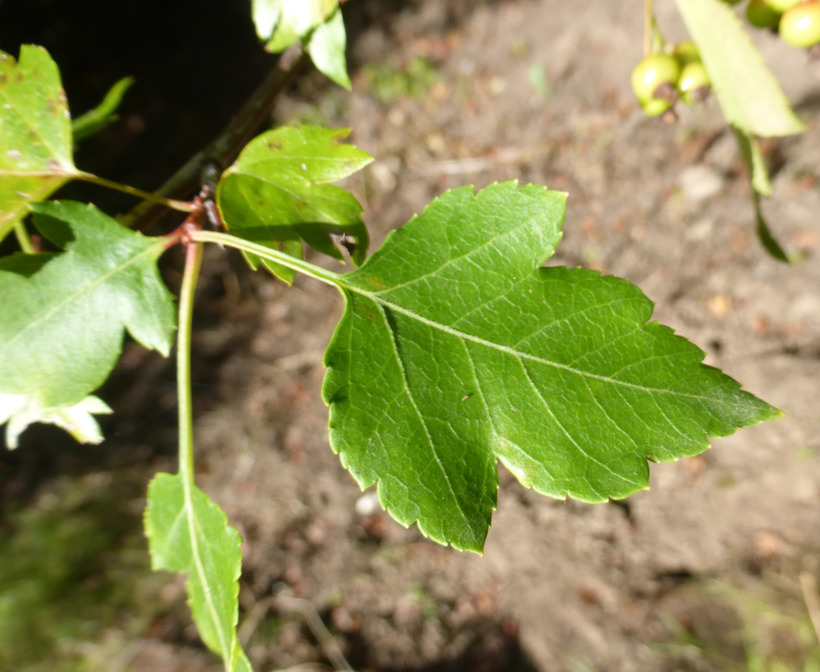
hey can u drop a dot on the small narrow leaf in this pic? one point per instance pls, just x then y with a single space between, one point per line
761 187
765 235
756 165
326 47
748 93
101 116
189 533
457 349
35 133
64 314
277 194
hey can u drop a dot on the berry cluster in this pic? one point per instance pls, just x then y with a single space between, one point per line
660 79
797 21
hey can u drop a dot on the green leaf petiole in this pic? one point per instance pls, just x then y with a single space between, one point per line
321 274
23 239
193 262
187 531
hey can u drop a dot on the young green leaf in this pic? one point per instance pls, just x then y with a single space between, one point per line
281 23
64 314
755 163
457 349
35 133
748 93
277 194
326 47
187 532
95 120
317 23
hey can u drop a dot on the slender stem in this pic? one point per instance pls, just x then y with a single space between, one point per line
193 260
321 274
182 206
23 237
649 20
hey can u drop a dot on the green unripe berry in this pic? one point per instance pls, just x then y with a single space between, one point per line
656 71
693 83
800 26
781 6
686 52
760 15
655 107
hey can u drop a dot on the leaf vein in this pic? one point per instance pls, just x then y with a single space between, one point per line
569 436
509 350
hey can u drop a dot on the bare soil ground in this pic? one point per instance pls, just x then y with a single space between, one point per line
676 577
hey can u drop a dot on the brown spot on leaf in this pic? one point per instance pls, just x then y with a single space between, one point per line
375 283
4 78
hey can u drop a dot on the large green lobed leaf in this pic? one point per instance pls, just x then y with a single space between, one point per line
187 532
65 314
458 349
35 133
748 93
277 193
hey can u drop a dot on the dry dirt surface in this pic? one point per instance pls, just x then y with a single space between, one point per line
660 581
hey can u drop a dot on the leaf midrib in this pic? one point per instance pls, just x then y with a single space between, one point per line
187 516
193 527
506 349
39 173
